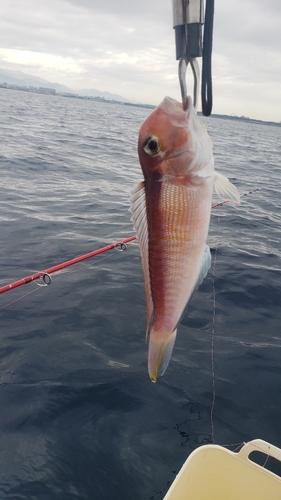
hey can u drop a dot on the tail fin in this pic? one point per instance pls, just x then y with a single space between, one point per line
159 353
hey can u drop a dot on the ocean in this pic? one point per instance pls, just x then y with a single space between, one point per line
80 418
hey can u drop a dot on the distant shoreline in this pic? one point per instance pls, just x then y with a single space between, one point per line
244 119
50 91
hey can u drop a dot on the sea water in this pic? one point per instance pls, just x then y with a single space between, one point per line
79 417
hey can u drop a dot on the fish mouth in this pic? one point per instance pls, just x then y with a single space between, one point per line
172 106
177 116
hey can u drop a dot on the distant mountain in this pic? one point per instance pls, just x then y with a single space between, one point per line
105 95
19 78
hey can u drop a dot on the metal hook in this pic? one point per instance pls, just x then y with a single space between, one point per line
183 63
196 75
184 60
182 79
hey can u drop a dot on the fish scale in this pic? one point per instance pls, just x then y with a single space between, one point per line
176 260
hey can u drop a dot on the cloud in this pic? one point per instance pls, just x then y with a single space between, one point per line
128 47
40 60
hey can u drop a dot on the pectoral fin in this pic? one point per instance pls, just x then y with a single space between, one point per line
139 218
225 189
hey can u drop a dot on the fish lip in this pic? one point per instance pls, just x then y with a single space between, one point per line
177 116
169 104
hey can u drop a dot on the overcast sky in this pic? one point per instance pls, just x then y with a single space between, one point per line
127 47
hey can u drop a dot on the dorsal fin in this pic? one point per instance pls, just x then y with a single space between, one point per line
139 218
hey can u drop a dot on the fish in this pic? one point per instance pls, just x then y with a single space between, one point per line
171 211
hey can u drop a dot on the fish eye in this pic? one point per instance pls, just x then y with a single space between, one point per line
151 145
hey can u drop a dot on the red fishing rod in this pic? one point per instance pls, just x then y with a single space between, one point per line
45 275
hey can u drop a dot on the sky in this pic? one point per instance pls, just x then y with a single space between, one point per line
127 47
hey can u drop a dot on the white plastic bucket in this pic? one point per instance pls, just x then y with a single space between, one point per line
214 473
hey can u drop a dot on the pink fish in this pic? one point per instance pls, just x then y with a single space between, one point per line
171 213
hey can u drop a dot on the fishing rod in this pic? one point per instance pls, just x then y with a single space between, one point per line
45 275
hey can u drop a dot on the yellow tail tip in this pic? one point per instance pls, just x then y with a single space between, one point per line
159 353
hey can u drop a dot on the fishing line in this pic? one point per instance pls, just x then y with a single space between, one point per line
217 205
19 298
213 335
238 446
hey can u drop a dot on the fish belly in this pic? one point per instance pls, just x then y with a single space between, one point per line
178 220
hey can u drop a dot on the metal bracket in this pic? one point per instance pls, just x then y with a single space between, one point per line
188 19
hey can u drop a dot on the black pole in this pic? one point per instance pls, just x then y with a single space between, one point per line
206 89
